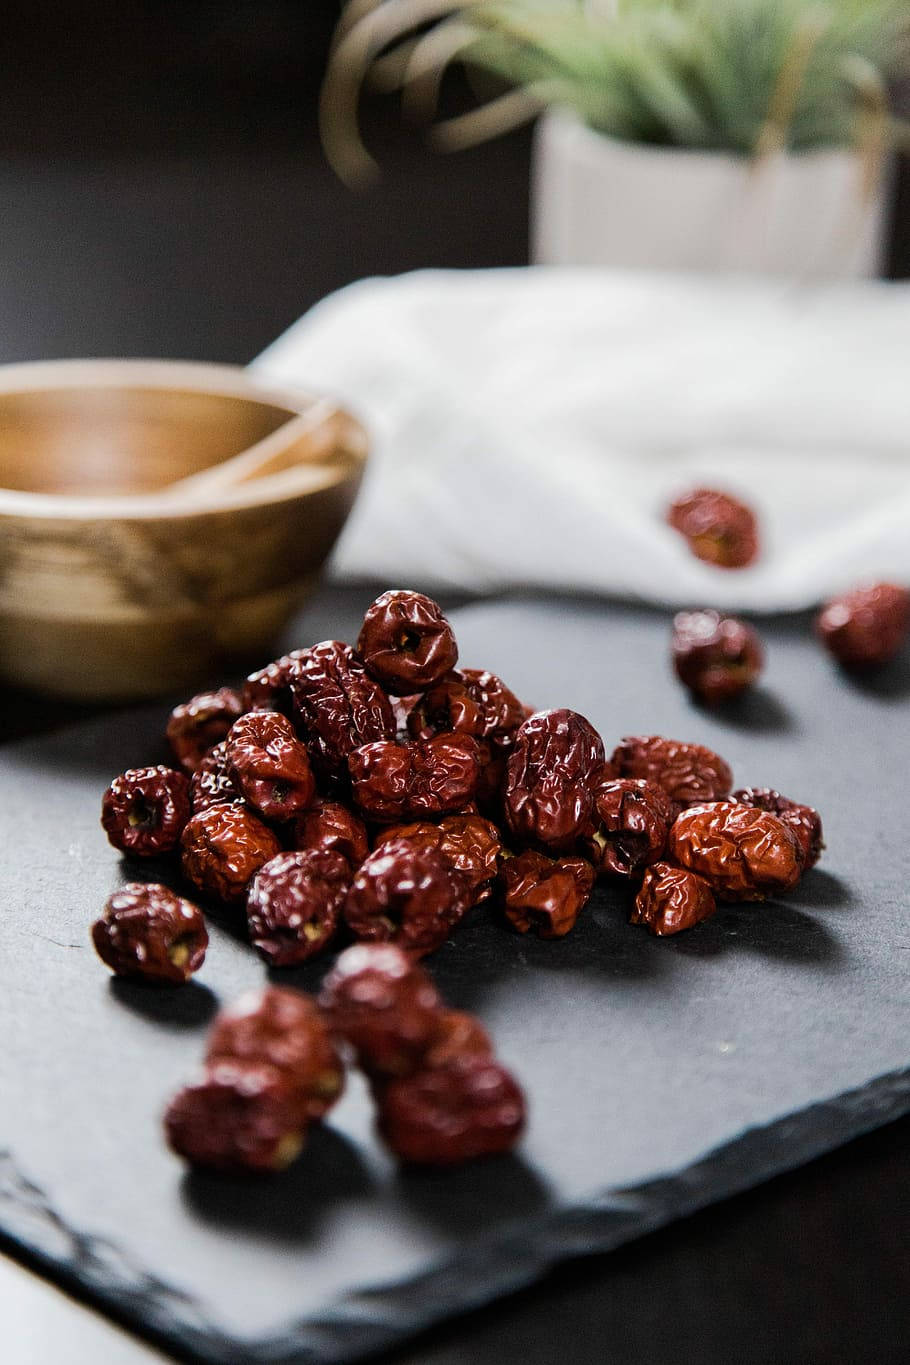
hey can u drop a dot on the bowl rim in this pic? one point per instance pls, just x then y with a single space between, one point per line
193 376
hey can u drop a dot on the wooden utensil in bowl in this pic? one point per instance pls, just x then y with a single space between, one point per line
158 519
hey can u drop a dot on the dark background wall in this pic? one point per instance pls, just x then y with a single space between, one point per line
163 192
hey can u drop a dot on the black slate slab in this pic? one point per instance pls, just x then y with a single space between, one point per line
661 1075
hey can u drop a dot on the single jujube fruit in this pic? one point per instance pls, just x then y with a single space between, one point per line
470 1107
804 821
337 705
408 895
629 825
671 899
383 1005
547 795
145 810
545 894
688 773
197 725
285 1030
223 847
865 628
720 529
239 1116
148 931
716 657
269 765
743 853
293 905
406 642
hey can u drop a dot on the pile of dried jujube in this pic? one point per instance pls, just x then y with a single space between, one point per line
378 794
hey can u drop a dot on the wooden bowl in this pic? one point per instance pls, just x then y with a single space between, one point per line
112 586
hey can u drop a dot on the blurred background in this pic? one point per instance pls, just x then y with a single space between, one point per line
164 190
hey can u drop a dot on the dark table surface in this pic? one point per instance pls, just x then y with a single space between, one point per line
810 1267
164 194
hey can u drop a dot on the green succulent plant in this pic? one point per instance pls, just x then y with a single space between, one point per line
742 76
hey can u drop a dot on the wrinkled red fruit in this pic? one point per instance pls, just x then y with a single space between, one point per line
672 899
545 895
213 783
720 529
716 657
240 1116
294 904
384 1006
547 796
147 931
337 705
471 1107
629 825
469 702
223 847
743 853
144 811
458 1034
407 895
406 642
287 1031
406 781
865 628
331 826
199 724
688 773
269 688
269 765
805 821
469 843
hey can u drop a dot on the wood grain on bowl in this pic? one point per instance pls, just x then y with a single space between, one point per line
113 584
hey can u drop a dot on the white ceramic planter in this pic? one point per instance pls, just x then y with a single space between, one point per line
599 201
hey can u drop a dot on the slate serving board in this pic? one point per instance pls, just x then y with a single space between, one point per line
662 1075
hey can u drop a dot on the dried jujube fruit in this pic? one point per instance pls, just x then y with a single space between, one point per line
406 642
147 931
393 782
332 826
223 847
469 1107
458 1034
547 793
688 773
197 725
384 1006
293 905
469 843
629 825
239 1116
470 702
672 899
287 1031
742 852
545 895
269 765
213 782
144 811
720 529
805 821
408 895
337 705
716 657
269 688
867 627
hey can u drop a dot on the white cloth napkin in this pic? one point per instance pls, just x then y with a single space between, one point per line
530 427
